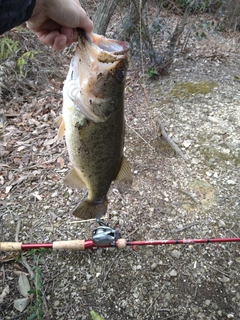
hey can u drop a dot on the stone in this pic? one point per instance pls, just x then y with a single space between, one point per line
176 254
173 273
154 266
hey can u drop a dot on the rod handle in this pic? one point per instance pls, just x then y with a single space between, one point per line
121 243
71 244
10 246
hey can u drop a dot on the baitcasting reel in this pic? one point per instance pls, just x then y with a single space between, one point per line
104 235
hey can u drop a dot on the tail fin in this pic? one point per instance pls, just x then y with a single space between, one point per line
90 210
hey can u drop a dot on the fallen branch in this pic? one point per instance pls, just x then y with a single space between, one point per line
170 141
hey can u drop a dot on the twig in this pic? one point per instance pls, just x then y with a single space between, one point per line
224 273
233 231
83 221
170 141
172 316
140 137
107 272
186 227
17 230
131 233
189 195
3 274
163 287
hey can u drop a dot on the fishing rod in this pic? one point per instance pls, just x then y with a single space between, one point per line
104 237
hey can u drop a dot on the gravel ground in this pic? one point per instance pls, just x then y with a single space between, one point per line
199 105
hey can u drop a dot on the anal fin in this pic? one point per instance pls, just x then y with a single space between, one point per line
124 175
74 179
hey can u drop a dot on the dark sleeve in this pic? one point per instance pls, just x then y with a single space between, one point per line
14 12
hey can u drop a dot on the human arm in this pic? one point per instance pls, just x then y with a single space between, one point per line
54 21
14 12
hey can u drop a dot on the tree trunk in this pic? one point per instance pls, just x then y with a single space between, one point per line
128 24
103 14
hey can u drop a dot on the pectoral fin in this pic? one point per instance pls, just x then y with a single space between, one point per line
72 90
85 109
74 179
124 174
60 123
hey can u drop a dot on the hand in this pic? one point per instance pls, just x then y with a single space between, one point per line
55 22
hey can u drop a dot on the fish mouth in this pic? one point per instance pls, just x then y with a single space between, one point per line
109 45
101 43
95 57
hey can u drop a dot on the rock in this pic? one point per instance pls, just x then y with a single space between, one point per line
224 279
214 119
187 143
207 302
231 182
173 273
154 266
221 224
176 254
56 303
195 161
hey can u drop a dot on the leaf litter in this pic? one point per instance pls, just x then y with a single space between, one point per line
169 198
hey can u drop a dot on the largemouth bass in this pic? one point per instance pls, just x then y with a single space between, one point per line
93 120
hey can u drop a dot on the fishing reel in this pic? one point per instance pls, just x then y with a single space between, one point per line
104 235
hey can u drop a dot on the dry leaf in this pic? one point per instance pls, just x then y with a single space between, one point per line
24 285
8 189
20 148
18 272
49 142
36 195
21 304
60 160
5 292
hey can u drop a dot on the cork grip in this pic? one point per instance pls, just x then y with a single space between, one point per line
10 246
72 244
121 243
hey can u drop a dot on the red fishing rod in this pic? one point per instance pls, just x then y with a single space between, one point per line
104 237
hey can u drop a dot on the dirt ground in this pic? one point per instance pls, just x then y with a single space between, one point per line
199 105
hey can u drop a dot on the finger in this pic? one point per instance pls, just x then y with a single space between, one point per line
71 35
75 35
47 37
84 22
60 42
54 39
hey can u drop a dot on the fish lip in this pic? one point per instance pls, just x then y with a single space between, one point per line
103 44
110 46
